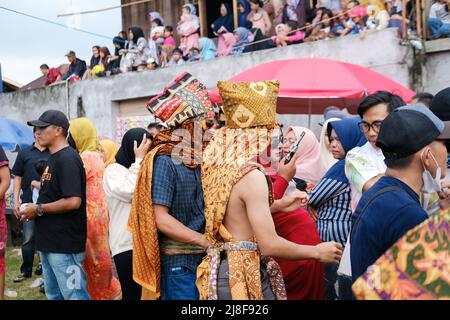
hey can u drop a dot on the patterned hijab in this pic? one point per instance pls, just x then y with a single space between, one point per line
142 221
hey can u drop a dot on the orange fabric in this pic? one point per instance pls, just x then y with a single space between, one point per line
142 223
101 283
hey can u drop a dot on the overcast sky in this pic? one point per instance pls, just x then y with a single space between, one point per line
27 43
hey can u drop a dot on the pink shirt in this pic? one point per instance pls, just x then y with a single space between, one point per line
170 41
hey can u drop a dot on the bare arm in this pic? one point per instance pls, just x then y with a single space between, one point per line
17 185
254 192
175 230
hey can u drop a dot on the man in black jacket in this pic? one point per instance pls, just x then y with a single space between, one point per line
77 66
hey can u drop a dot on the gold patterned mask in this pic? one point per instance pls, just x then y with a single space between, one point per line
249 104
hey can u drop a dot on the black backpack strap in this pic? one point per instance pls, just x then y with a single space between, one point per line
384 190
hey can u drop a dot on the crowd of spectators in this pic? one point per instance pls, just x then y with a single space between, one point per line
261 25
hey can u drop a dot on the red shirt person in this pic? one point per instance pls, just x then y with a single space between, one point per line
52 75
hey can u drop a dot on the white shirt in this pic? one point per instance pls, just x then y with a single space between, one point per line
438 11
119 184
361 165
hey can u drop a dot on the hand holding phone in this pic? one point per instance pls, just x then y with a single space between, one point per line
294 148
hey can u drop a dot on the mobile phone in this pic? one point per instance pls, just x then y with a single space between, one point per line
294 148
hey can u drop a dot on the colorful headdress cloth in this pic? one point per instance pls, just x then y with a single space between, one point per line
249 104
184 99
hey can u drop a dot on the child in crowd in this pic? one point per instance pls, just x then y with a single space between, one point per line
177 57
287 35
194 55
188 28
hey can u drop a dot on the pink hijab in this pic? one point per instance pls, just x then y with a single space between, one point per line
227 44
310 167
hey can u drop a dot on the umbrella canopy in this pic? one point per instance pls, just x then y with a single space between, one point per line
309 85
13 133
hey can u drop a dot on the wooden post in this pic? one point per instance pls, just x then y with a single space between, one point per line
404 31
424 21
235 15
202 16
418 18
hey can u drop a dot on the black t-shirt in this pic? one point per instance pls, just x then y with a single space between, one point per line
25 167
64 177
3 157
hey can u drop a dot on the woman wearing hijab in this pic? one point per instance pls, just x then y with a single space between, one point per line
330 198
309 165
119 182
242 39
229 41
325 154
303 279
101 283
207 49
223 25
225 21
244 10
188 28
109 150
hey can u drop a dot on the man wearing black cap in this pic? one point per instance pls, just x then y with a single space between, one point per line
60 215
412 141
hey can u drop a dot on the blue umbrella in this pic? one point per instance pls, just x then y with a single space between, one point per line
13 133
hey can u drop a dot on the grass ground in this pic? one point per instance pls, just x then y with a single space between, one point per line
24 292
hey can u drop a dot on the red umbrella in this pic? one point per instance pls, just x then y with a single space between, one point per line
308 85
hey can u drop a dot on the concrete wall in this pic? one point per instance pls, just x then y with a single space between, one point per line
380 51
437 66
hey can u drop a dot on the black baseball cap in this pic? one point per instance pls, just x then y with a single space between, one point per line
440 105
70 53
51 117
408 129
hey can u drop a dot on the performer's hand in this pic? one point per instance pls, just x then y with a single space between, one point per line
329 252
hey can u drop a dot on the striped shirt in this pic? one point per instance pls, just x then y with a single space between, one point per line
331 198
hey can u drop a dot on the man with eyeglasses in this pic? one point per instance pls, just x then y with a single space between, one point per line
365 165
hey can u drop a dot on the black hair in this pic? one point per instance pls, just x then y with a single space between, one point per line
123 32
292 24
44 66
96 47
155 125
393 101
40 166
168 28
158 22
194 49
137 33
258 2
399 163
177 50
424 97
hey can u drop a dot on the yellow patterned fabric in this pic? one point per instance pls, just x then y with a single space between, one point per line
249 104
227 159
417 267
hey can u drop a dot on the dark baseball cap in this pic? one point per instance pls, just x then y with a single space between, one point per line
51 117
70 53
409 129
440 105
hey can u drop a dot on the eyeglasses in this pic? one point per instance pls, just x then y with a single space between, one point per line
365 126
